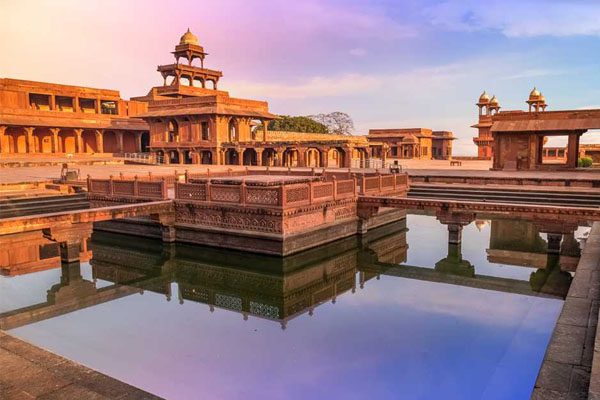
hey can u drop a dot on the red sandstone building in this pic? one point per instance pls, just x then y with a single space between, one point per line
187 120
49 118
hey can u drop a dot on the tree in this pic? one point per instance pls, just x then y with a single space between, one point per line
337 122
296 124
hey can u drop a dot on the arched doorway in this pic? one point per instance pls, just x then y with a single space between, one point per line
89 142
250 157
111 144
336 157
173 157
43 140
187 157
290 157
312 157
233 130
231 157
268 157
206 157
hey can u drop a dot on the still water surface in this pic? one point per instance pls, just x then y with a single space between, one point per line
345 321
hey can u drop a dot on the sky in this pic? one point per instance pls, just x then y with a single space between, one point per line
389 64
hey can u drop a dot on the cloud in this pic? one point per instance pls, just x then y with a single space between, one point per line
515 18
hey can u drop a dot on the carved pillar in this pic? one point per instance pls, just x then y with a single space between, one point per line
301 157
30 140
55 142
78 140
99 140
278 158
264 122
259 157
554 240
119 135
454 233
3 144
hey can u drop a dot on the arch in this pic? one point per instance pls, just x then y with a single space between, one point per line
173 157
233 130
336 157
43 140
185 80
206 157
268 157
89 142
199 82
17 140
231 157
66 141
110 141
144 141
172 131
214 84
250 157
188 157
312 157
290 157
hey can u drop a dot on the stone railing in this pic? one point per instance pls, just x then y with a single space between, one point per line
376 185
276 195
127 188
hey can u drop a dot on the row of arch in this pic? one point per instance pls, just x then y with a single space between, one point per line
287 157
189 80
22 140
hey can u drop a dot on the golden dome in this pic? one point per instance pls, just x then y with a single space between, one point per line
542 98
494 101
484 98
189 38
535 94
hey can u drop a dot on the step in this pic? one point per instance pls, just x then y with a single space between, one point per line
19 212
502 192
42 199
506 195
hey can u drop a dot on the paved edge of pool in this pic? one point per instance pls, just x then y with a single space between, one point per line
30 372
571 367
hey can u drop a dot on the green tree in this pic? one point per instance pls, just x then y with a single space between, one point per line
296 124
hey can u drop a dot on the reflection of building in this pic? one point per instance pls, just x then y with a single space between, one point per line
46 118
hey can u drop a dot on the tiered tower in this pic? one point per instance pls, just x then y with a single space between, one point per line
487 107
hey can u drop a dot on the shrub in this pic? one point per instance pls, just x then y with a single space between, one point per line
584 162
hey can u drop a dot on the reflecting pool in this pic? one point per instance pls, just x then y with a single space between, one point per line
398 313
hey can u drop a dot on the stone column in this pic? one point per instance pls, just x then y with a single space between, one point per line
30 140
138 141
264 130
259 156
78 140
99 140
55 147
279 161
301 157
119 141
3 144
454 233
554 240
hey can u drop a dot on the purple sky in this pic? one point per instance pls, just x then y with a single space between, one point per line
403 63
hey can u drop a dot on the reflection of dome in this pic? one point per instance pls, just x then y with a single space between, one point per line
484 98
481 223
535 94
189 38
494 101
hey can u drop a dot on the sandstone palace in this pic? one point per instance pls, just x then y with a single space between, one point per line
187 120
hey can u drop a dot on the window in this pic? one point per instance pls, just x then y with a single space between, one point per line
173 131
87 105
108 107
39 101
64 103
205 130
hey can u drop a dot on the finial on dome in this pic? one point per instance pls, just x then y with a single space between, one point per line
484 98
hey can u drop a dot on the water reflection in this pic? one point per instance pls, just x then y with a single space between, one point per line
141 303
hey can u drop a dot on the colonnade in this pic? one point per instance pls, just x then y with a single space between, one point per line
274 156
56 140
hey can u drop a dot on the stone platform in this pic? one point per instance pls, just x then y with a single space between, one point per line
29 372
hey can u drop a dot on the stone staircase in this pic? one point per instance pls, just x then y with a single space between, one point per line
17 207
571 197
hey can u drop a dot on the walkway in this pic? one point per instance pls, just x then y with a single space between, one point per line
29 372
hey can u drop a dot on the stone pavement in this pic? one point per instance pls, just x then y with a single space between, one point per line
571 366
29 372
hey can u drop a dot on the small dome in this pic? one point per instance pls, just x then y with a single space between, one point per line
494 101
542 98
484 98
535 94
189 38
